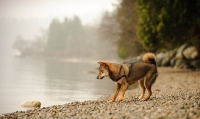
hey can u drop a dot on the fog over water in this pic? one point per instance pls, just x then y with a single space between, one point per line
51 82
52 75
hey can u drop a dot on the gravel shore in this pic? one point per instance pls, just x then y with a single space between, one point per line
176 95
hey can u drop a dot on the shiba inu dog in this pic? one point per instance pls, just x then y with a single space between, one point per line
145 72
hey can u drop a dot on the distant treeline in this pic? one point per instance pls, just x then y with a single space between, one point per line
66 35
65 39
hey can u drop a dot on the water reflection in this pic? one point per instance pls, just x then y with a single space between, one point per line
71 82
49 81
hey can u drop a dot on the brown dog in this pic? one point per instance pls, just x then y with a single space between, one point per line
144 72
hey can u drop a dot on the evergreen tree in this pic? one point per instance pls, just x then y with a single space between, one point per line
169 23
64 36
55 40
128 44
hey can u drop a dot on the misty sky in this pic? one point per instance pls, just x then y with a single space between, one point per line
88 10
30 16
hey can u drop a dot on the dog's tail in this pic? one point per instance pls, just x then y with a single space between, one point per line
149 58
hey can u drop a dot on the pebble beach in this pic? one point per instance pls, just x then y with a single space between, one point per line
176 95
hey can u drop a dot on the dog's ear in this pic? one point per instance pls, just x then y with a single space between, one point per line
100 62
103 64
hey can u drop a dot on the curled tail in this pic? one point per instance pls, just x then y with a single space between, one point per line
149 58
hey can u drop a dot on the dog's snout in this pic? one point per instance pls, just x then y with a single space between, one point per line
102 77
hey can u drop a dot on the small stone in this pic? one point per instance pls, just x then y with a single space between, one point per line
30 104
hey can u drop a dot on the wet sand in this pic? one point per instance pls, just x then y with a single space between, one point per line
176 94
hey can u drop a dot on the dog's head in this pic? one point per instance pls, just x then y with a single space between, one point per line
103 70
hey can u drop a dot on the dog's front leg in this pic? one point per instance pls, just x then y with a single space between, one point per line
118 87
124 88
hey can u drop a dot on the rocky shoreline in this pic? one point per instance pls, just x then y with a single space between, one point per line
186 57
176 95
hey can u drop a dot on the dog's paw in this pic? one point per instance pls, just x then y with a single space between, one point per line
141 97
145 99
120 100
110 101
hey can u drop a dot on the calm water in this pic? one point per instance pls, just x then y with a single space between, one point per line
49 81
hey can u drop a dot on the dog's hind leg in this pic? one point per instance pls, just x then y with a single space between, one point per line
141 82
148 87
124 88
148 82
118 87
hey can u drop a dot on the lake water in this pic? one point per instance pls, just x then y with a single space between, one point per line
51 82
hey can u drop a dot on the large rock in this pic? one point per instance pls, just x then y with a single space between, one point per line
168 57
179 63
191 52
30 104
159 58
179 54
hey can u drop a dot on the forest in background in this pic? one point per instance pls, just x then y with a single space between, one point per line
135 26
67 39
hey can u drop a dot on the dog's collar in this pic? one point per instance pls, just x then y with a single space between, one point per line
121 67
115 79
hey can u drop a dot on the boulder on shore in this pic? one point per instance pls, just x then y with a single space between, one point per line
30 104
186 56
179 54
191 53
166 61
